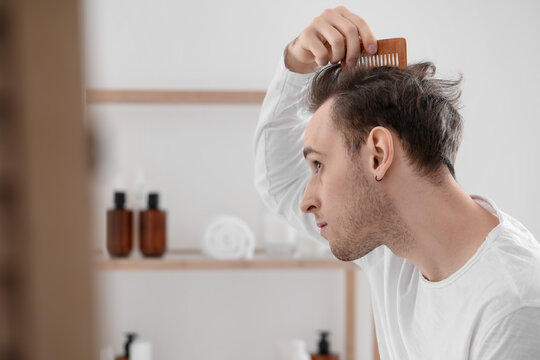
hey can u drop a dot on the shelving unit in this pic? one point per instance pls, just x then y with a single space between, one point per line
197 262
257 263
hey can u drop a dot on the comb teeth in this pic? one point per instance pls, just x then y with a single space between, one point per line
380 60
390 52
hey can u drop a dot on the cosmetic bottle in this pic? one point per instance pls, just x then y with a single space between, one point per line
324 349
152 228
119 227
130 337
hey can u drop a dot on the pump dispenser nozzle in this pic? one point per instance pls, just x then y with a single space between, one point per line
130 337
324 349
153 201
119 200
324 346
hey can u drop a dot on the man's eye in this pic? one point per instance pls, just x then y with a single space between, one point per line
317 165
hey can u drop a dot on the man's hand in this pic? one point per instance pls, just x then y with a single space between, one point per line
331 37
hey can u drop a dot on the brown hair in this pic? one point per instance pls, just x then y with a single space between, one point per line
420 108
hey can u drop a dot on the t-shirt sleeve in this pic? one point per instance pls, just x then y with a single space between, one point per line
515 336
281 172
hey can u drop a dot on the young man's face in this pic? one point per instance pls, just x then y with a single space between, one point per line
339 193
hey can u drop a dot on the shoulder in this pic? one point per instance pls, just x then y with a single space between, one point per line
508 290
513 259
512 336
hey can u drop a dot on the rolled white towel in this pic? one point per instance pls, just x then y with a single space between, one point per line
228 237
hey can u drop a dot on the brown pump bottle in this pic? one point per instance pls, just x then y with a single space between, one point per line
152 228
119 227
324 349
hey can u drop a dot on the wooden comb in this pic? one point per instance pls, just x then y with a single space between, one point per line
390 52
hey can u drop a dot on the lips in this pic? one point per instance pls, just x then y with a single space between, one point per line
322 227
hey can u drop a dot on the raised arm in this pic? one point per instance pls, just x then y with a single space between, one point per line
281 172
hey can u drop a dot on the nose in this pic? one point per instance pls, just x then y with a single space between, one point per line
310 201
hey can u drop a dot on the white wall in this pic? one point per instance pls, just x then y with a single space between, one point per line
199 157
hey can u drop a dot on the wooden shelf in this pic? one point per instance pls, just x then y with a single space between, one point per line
199 263
175 96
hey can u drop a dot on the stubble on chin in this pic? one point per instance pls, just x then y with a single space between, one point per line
370 220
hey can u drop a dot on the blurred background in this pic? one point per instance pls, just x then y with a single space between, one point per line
72 68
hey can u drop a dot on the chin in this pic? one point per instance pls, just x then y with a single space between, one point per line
344 258
342 255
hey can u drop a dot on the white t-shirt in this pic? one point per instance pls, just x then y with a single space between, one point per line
488 309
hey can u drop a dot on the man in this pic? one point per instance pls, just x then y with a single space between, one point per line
451 275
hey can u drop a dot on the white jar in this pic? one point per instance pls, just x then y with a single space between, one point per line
293 350
278 236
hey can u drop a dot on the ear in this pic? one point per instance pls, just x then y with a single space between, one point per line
380 147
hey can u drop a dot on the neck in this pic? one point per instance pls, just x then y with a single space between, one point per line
445 224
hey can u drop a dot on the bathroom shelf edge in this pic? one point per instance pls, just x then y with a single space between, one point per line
214 264
174 96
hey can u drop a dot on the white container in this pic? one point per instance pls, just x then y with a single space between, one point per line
278 236
140 350
292 350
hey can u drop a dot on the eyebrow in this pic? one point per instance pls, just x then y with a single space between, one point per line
308 150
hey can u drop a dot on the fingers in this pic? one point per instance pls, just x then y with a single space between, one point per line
314 48
334 43
366 34
349 37
342 30
331 37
